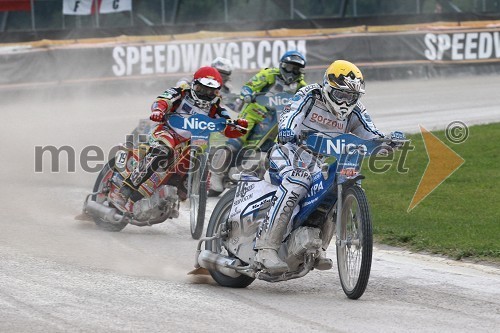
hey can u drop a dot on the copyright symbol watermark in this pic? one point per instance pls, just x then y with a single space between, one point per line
457 132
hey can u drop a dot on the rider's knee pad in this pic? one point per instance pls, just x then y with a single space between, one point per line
162 155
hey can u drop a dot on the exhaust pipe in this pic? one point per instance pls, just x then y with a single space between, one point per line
108 214
217 262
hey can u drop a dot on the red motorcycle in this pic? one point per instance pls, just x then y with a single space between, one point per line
185 179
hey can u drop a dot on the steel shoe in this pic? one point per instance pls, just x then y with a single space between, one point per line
323 263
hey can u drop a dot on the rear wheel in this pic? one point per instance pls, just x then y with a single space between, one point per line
102 198
197 189
355 245
220 216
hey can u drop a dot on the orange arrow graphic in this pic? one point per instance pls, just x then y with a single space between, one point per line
442 163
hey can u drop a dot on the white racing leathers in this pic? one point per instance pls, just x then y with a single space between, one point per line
294 165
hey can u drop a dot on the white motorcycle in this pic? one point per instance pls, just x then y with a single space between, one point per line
336 204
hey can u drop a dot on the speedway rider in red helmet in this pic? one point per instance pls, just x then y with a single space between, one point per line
202 97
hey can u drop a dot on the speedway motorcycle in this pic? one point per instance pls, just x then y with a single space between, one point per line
186 178
336 204
251 158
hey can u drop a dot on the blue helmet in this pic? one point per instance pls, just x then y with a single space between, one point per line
292 65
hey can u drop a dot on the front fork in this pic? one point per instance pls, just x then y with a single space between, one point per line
338 226
192 154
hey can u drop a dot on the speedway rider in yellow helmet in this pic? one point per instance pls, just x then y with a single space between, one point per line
331 107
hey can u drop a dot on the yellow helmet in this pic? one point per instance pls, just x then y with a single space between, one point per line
343 85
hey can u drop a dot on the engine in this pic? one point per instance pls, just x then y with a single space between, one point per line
302 240
163 204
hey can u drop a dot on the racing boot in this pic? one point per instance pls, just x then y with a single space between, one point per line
216 184
268 242
157 157
293 188
322 262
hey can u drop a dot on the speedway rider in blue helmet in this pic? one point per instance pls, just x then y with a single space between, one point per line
331 107
289 77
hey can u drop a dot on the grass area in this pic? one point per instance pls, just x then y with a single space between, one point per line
460 218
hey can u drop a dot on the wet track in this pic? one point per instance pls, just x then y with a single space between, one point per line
58 274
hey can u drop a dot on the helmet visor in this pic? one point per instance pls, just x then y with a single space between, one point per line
204 93
295 59
340 96
292 68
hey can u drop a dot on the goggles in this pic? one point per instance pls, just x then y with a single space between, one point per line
204 93
340 96
292 68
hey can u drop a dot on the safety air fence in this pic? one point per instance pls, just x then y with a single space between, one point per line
431 51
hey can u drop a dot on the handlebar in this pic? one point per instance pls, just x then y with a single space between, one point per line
339 143
389 140
305 134
232 123
199 123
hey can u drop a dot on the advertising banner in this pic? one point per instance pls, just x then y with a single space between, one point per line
430 50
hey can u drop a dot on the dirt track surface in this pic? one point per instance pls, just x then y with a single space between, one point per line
58 274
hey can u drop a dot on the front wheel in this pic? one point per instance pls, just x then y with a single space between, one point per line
355 243
220 216
102 198
197 189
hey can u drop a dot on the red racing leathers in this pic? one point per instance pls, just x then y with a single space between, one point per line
168 144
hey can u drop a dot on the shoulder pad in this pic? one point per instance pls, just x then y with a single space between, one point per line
269 71
313 89
261 76
171 93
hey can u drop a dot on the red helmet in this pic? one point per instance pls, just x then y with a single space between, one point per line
205 86
208 76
